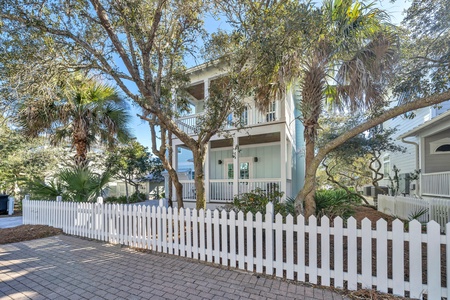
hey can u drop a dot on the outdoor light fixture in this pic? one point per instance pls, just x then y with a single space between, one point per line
255 159
219 162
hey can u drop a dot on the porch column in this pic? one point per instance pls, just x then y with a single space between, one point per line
421 150
174 163
206 166
235 166
206 89
283 162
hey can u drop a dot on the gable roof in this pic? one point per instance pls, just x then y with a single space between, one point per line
444 117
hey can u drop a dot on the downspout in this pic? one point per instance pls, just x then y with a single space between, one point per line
417 163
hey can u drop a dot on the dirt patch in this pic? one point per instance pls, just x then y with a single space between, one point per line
26 233
362 212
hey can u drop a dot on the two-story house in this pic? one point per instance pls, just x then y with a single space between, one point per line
426 137
266 154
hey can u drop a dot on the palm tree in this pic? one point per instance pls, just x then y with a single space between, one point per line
346 68
339 54
76 184
86 112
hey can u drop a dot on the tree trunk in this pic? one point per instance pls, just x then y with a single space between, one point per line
199 159
309 188
178 187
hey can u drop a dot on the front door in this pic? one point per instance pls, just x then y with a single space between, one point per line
245 173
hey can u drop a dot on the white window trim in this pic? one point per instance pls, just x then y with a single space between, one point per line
386 160
436 144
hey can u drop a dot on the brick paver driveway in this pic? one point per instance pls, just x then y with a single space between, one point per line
65 267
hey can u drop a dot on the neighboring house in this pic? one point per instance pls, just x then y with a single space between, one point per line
427 140
267 152
152 186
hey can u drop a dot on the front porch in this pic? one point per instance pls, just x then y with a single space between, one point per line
238 165
436 184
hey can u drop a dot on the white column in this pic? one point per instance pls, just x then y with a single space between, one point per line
175 166
206 89
421 150
236 165
206 166
283 162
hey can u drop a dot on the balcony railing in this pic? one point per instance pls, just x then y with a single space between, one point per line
250 117
436 184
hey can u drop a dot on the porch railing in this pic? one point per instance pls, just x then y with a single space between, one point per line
250 117
436 184
267 186
221 190
188 123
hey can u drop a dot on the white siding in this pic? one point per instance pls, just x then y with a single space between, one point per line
406 162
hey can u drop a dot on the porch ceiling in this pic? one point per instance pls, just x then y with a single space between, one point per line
248 140
222 143
260 138
197 91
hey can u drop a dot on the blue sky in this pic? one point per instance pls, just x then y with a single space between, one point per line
141 130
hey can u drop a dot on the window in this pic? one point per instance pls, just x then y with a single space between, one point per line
271 112
230 120
244 172
244 117
441 146
386 166
179 150
230 171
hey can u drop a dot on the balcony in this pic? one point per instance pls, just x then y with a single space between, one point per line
436 184
250 117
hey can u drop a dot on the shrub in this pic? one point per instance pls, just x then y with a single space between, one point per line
257 200
334 203
134 198
76 184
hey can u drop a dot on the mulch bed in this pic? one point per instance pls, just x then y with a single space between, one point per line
27 233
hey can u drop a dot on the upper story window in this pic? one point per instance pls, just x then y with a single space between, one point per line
441 146
271 112
244 116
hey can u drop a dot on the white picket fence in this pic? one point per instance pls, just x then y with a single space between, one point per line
404 207
338 254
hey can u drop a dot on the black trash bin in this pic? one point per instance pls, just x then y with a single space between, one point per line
4 204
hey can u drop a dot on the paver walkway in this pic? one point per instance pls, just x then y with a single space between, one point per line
65 267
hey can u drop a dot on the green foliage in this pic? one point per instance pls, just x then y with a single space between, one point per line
357 161
257 200
132 163
77 184
134 198
86 112
425 67
23 159
334 203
